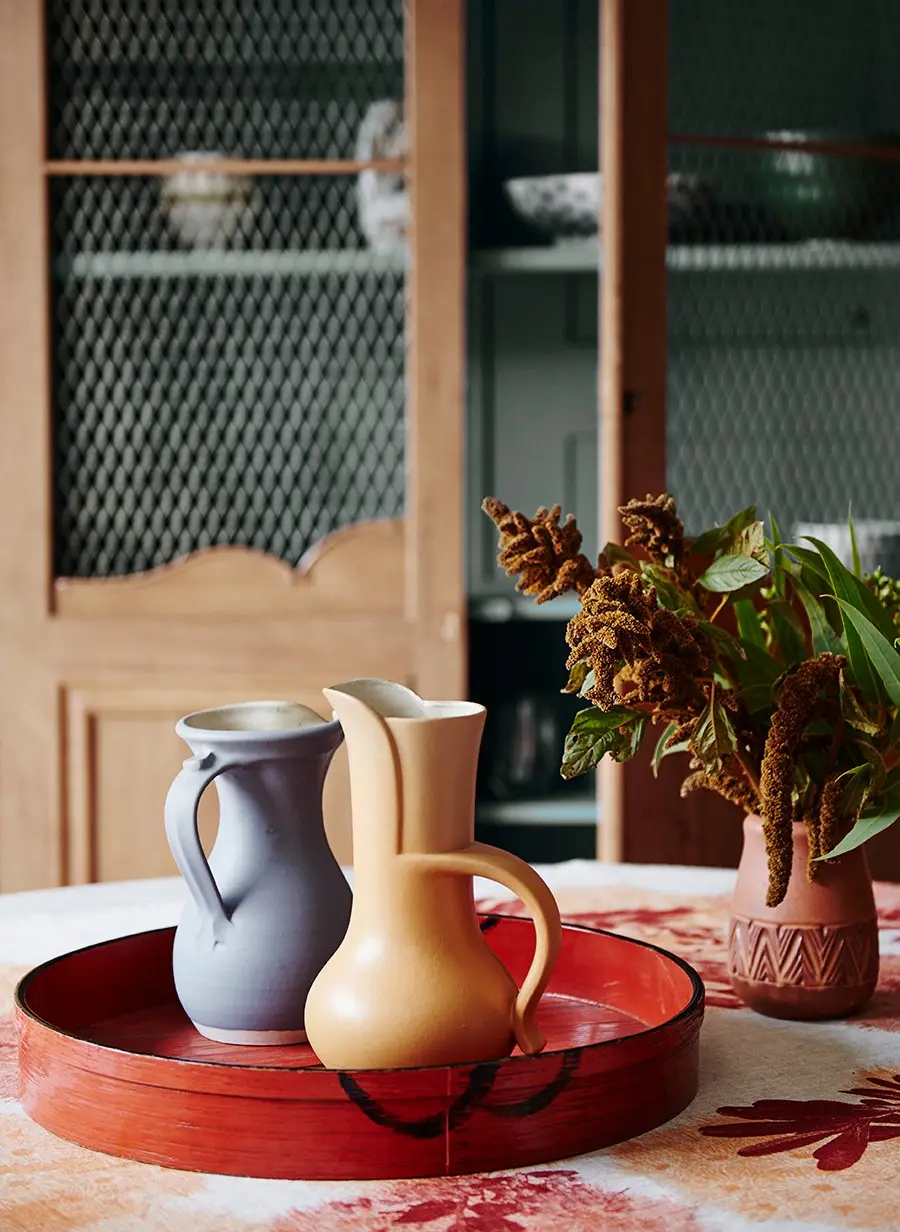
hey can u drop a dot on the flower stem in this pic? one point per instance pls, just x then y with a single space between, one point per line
722 603
752 776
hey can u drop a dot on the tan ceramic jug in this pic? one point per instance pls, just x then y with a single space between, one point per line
414 982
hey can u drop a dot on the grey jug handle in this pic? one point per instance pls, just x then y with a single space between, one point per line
182 804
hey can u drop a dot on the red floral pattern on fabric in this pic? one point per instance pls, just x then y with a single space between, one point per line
9 1072
547 1200
704 946
845 1129
883 1011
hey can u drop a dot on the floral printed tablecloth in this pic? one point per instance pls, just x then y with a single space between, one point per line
795 1126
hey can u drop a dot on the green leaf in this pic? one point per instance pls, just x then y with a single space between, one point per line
757 697
632 740
716 632
593 734
857 787
668 593
577 676
881 654
661 751
854 546
876 761
824 638
751 541
728 573
713 737
777 573
588 683
844 587
756 665
869 824
812 560
856 591
595 721
719 537
618 555
855 714
788 634
748 622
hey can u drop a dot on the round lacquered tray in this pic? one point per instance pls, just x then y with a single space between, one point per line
108 1060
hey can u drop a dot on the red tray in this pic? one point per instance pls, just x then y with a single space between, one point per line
108 1059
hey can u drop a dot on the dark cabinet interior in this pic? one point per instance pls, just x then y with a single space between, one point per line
784 319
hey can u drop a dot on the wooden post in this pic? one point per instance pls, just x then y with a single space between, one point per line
435 108
642 818
634 228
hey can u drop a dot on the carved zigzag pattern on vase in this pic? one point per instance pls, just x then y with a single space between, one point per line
819 956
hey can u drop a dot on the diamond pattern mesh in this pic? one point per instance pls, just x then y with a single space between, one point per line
228 354
784 312
198 411
96 214
258 409
256 78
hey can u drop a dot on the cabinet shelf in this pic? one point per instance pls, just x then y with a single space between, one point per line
215 263
549 811
811 255
559 259
497 609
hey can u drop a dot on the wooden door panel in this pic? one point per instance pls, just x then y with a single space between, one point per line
94 671
121 755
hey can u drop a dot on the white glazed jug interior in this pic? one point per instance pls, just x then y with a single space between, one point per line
396 701
254 717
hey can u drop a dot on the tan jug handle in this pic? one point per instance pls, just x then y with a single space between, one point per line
482 860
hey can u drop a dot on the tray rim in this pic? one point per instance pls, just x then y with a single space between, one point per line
695 1004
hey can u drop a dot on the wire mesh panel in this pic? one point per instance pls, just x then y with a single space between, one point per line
264 409
259 78
228 350
130 214
784 296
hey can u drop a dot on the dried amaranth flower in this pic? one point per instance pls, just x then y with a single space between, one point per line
797 706
737 790
546 555
629 639
653 524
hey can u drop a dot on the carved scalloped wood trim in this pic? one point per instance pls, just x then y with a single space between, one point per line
357 568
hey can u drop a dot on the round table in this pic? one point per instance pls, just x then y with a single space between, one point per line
794 1125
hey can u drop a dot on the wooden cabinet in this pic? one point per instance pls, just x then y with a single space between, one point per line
240 468
747 352
230 468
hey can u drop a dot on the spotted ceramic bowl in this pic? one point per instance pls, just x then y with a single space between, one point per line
564 206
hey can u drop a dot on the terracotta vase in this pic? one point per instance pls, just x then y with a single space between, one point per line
815 955
414 982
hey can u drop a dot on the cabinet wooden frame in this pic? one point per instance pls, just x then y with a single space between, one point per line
381 598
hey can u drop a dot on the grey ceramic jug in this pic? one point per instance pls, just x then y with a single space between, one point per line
271 905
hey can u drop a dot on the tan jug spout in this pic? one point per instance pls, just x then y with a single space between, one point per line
417 759
378 697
